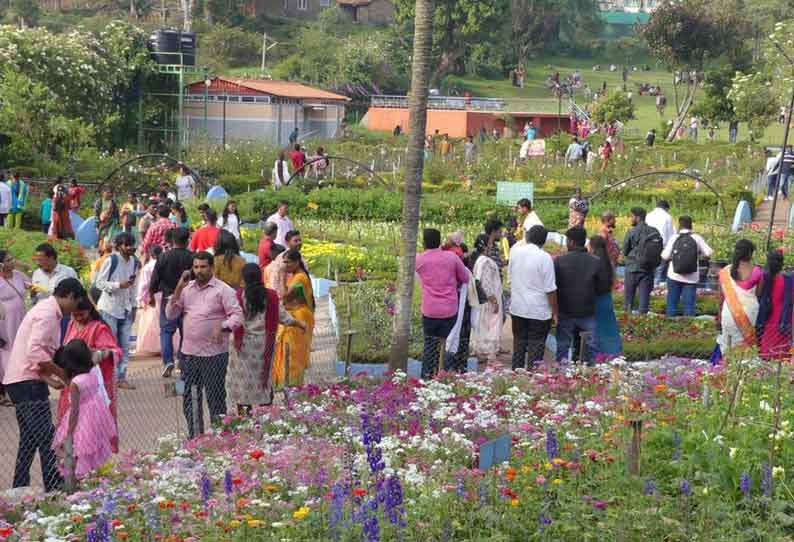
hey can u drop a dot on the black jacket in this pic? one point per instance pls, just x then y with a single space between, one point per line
580 278
168 270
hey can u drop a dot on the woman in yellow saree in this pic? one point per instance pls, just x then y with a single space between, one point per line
299 302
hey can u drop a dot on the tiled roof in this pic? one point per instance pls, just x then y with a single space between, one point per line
354 3
286 89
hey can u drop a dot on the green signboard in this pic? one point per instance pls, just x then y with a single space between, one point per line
508 193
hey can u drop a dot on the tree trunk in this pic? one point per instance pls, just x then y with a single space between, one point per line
417 103
133 11
187 12
684 111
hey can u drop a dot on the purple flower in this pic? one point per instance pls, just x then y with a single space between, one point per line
650 487
101 530
206 489
745 483
676 446
371 528
766 480
552 445
393 504
338 494
371 435
460 488
227 483
685 489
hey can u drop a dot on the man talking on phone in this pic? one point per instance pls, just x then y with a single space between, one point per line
116 304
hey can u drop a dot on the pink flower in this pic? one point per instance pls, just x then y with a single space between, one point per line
540 479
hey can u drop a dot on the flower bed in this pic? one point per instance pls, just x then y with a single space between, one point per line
398 461
22 244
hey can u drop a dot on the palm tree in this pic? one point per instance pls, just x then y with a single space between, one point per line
417 102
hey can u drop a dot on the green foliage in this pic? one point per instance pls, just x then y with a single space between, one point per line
715 105
231 47
27 12
614 107
754 100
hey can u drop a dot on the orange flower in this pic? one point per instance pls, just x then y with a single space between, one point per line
660 388
122 535
510 474
77 518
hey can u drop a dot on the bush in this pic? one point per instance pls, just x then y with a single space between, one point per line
225 47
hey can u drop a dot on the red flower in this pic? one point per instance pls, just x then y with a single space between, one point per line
6 531
359 492
257 454
237 481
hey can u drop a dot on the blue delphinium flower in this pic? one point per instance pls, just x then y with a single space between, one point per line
460 488
227 483
650 487
393 505
552 445
338 494
371 435
206 489
676 446
685 489
766 480
371 528
101 530
745 484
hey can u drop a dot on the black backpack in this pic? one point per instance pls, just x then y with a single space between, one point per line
685 254
648 252
95 293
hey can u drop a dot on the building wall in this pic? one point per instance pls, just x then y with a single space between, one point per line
378 12
268 123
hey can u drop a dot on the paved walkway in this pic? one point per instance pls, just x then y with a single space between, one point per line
764 211
152 411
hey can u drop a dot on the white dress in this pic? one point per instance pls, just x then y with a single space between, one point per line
486 331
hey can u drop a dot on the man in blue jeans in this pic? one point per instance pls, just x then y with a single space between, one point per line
165 276
580 277
683 252
28 369
638 278
116 305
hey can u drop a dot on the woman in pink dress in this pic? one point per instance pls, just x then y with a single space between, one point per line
87 325
88 420
775 332
147 339
13 285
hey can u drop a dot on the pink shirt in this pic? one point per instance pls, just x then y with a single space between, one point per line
205 308
38 337
441 273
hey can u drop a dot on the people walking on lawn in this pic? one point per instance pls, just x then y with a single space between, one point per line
682 255
486 332
87 421
580 279
295 341
211 312
605 152
573 154
28 370
281 219
533 304
168 270
280 171
298 159
249 382
642 250
87 325
19 201
117 302
440 275
773 325
13 286
608 343
661 219
206 236
740 284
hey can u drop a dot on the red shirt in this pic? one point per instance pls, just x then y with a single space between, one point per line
75 193
265 244
155 235
204 238
298 159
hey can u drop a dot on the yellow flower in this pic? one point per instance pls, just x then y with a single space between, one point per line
557 481
558 461
301 512
234 523
255 522
514 502
548 466
271 488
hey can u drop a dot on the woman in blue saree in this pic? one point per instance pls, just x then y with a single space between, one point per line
608 341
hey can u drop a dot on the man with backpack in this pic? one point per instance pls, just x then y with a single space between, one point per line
683 251
116 301
643 248
661 219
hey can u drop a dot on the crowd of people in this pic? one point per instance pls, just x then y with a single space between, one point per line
230 328
465 304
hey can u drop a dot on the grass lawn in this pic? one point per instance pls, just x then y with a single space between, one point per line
647 117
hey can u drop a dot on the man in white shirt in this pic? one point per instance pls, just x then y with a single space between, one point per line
773 166
573 154
280 219
185 184
116 305
49 274
5 200
684 251
526 216
661 219
533 304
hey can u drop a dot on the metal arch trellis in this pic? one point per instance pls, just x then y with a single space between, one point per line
628 180
199 180
381 180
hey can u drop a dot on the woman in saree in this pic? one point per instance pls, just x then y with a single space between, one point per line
87 325
61 223
577 209
249 381
13 286
486 327
299 302
775 309
108 219
608 341
740 284
148 316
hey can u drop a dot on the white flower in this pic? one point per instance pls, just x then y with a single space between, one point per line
732 452
778 472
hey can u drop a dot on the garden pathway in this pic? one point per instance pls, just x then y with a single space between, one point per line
764 211
151 411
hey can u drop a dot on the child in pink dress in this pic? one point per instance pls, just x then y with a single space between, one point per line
88 419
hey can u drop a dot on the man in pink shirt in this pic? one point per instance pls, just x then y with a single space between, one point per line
29 363
441 273
211 311
155 235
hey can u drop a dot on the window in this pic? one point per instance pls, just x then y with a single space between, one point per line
303 4
325 3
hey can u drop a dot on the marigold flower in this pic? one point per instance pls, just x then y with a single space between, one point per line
234 523
510 474
301 512
255 522
660 388
514 502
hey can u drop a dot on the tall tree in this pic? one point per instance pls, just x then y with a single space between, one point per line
409 231
457 25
